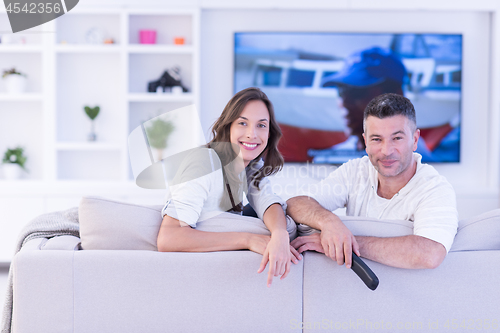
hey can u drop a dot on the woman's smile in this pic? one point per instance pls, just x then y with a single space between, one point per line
249 146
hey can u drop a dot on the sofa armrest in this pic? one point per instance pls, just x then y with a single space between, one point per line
34 244
65 242
42 289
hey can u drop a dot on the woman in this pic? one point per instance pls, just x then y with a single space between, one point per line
211 180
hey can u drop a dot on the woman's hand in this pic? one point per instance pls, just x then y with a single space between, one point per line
279 254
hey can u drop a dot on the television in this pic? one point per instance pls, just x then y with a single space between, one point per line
302 73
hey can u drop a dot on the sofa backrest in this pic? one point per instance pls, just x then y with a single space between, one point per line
112 225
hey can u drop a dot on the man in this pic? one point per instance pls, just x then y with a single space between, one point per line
366 74
389 183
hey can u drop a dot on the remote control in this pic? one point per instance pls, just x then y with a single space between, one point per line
364 272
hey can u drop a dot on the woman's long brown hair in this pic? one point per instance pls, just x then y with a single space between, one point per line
273 161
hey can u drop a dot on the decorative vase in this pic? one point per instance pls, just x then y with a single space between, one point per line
15 84
12 171
92 135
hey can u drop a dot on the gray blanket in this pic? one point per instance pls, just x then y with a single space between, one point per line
44 226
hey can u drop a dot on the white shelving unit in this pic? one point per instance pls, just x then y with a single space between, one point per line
141 97
23 48
26 97
64 48
87 146
65 73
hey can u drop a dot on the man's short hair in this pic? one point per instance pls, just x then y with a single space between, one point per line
389 105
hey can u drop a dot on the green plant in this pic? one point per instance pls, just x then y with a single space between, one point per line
158 132
16 156
11 71
92 112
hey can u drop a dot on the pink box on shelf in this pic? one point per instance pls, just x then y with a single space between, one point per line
147 36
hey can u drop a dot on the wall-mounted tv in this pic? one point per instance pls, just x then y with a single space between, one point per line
319 84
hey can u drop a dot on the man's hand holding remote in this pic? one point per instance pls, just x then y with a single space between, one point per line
338 241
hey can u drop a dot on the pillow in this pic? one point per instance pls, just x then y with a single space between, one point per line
113 225
366 226
475 234
228 222
480 233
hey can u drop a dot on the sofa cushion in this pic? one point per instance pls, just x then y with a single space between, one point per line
229 222
479 233
113 225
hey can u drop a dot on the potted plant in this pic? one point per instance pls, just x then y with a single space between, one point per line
92 114
158 131
13 163
15 82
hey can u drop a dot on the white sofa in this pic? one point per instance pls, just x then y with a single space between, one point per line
60 288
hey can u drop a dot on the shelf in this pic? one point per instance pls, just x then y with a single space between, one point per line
160 97
8 188
175 49
78 28
28 63
21 48
96 80
87 48
147 67
26 97
21 186
168 26
87 164
87 146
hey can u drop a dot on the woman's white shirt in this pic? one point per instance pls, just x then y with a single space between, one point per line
198 193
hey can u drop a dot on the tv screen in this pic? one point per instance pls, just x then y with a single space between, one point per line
320 83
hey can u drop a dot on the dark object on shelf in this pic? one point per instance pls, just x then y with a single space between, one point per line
170 78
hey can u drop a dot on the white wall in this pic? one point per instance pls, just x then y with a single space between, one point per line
476 177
